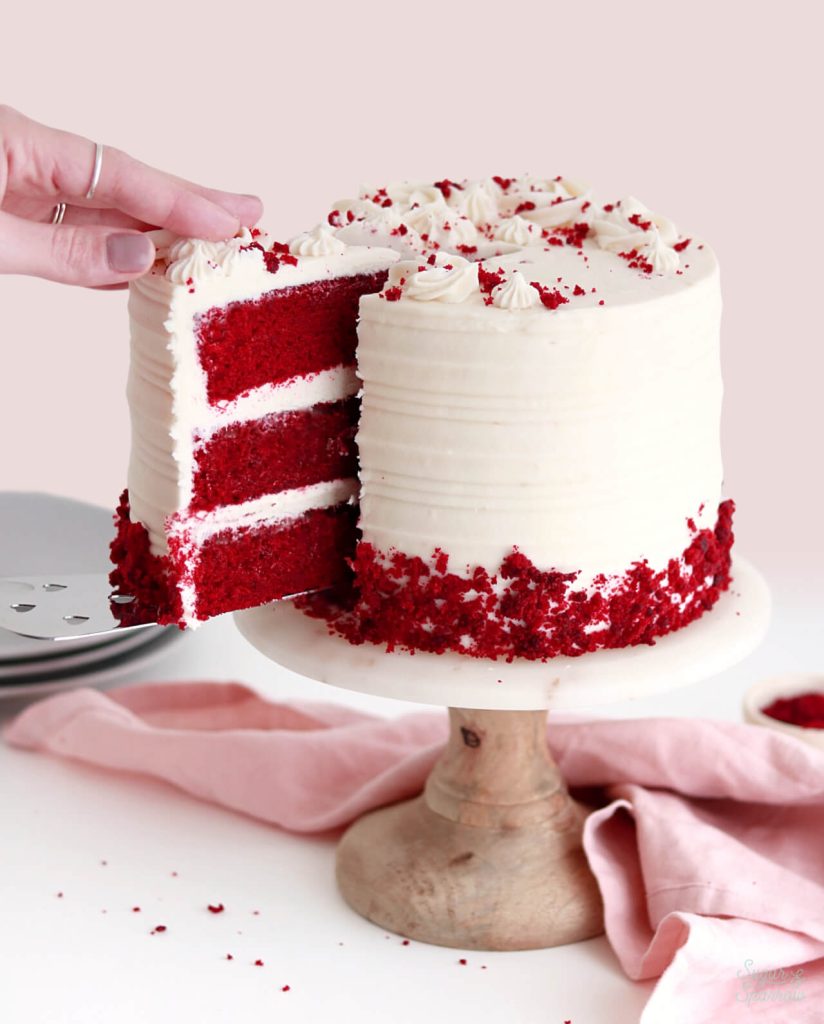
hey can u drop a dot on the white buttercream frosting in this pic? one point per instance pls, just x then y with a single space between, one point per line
516 293
478 204
441 225
662 258
630 225
451 279
552 203
586 438
517 230
387 217
320 241
406 195
192 258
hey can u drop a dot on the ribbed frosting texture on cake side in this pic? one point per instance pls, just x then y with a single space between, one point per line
585 438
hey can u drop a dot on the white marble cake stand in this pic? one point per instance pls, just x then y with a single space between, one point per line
489 856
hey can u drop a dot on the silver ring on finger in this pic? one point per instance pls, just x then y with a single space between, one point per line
98 166
59 213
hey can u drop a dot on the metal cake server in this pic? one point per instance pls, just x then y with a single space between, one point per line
72 606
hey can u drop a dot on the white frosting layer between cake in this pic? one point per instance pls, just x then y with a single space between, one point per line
166 389
271 509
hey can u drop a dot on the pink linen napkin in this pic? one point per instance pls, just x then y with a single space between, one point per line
709 854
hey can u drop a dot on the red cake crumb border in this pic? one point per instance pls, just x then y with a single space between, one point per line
235 568
402 602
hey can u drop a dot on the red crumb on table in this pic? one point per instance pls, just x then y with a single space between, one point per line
158 929
215 908
523 611
258 963
462 962
286 988
805 710
135 910
405 942
60 895
229 956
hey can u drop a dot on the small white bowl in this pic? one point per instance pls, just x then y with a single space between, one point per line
762 694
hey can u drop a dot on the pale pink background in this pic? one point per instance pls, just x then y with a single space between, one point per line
707 112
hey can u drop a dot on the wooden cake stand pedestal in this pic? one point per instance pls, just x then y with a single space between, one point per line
489 856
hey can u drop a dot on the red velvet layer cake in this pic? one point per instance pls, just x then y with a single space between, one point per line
529 451
242 393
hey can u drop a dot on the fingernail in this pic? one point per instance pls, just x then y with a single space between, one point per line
129 254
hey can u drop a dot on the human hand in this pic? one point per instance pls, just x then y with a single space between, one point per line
100 241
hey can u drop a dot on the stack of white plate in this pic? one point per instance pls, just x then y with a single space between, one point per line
41 534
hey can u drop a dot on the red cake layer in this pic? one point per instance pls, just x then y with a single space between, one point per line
287 333
276 453
402 602
234 569
247 567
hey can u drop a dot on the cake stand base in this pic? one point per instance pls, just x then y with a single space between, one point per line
489 856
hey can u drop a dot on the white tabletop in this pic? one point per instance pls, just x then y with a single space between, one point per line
111 842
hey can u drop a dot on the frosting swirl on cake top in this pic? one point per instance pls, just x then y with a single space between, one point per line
589 253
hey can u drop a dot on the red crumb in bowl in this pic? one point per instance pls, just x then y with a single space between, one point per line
805 710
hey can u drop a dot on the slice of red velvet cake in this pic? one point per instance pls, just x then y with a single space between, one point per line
243 400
